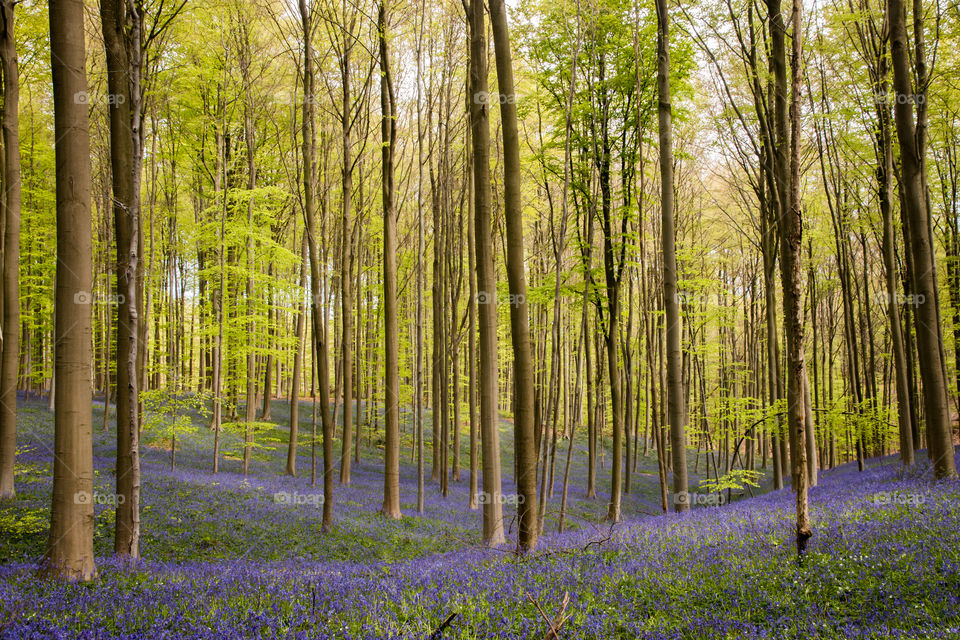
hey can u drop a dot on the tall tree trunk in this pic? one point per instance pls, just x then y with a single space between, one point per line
885 193
249 135
388 128
916 215
121 34
10 333
473 502
69 551
346 254
791 227
486 279
420 241
317 299
674 390
523 423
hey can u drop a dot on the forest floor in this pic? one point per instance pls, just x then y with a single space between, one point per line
224 557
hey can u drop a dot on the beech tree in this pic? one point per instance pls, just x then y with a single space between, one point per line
523 422
10 215
70 544
391 451
122 25
319 326
486 286
706 244
675 402
917 223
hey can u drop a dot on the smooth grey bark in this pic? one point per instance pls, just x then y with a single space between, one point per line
486 280
523 423
69 552
319 327
122 24
10 333
674 391
917 218
388 129
297 366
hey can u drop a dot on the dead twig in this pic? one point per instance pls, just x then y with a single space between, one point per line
438 632
561 619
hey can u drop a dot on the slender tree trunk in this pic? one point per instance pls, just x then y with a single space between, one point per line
674 392
266 410
346 255
523 425
791 226
297 366
317 300
885 193
391 451
576 411
218 307
420 249
471 311
249 135
486 280
121 29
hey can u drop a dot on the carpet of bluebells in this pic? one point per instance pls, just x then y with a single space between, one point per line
224 558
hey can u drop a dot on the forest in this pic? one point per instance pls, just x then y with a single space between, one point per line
480 319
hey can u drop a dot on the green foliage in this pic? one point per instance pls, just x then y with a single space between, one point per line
168 415
735 480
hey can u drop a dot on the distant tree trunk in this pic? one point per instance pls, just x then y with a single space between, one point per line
391 451
916 215
523 425
473 502
249 135
69 551
266 411
218 303
10 333
588 361
317 300
486 279
628 383
346 255
420 249
674 393
885 193
576 411
297 366
810 420
121 32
